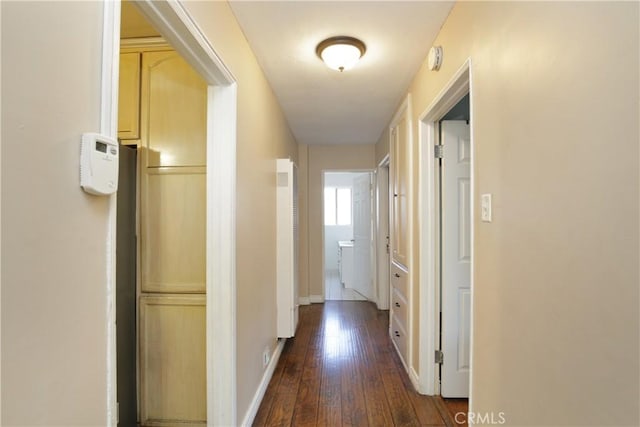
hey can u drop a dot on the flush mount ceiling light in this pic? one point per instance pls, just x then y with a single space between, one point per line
341 53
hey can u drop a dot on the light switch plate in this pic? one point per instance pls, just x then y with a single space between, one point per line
485 207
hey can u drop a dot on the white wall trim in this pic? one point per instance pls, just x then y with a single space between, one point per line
109 127
415 378
173 21
316 299
383 292
304 301
458 86
221 256
262 387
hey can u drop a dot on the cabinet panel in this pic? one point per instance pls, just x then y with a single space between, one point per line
399 308
175 111
129 97
173 230
400 186
399 280
173 360
399 337
346 266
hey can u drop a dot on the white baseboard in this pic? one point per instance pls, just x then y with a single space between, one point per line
316 299
262 387
304 301
415 380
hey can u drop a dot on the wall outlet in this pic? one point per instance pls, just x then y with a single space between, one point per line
265 357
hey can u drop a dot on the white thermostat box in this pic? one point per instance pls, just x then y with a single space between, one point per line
98 164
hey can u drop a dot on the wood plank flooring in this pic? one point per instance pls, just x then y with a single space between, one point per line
341 369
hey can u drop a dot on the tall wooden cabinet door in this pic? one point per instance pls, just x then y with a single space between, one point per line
173 230
400 187
129 97
174 113
173 377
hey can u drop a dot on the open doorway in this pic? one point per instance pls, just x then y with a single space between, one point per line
446 241
347 236
169 307
215 152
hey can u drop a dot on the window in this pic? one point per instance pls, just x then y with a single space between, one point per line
337 206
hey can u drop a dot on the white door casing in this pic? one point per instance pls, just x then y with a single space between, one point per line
456 258
362 235
173 21
383 236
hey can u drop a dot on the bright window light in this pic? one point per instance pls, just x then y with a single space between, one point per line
329 206
344 206
337 206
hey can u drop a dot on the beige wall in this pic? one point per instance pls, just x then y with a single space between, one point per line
54 236
325 158
263 136
555 125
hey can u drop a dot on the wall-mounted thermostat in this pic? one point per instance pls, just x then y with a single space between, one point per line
98 164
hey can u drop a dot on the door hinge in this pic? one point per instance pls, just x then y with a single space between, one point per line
438 151
439 356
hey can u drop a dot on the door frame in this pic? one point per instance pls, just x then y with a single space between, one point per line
383 249
373 237
428 236
173 21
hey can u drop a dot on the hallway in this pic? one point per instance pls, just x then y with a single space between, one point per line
341 369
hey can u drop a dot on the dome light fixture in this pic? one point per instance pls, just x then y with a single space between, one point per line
341 52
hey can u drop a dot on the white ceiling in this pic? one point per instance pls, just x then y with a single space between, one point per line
324 106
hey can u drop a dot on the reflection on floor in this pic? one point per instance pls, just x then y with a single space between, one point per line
341 369
334 290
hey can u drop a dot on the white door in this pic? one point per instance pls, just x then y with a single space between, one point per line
362 235
456 259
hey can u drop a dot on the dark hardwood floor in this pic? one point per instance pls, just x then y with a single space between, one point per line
341 369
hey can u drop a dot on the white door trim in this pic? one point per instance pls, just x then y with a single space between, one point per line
173 21
314 299
109 127
450 95
381 241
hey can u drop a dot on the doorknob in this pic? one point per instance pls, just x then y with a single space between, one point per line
397 275
397 304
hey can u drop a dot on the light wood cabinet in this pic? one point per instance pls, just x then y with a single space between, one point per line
173 230
173 175
129 98
173 373
171 138
174 111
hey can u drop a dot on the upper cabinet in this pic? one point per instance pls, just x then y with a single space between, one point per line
129 98
174 113
400 190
